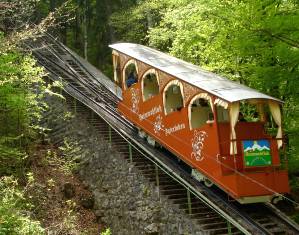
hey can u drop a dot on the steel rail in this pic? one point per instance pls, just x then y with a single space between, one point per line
95 93
130 138
93 89
91 75
77 58
110 117
151 155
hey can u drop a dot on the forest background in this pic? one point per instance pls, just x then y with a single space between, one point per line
252 42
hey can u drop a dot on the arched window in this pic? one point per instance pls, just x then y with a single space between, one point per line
116 66
172 97
150 84
200 111
222 110
130 73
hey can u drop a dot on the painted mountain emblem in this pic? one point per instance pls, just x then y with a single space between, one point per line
256 153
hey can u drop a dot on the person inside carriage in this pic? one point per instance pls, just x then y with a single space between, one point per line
131 79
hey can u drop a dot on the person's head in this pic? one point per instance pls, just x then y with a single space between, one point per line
203 103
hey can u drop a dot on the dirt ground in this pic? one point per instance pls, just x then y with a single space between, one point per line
62 203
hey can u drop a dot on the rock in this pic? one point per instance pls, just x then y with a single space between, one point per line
143 214
85 184
152 229
124 200
77 159
158 217
105 204
88 202
139 203
98 194
106 219
99 213
68 190
124 231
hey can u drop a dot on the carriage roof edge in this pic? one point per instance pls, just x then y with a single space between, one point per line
219 86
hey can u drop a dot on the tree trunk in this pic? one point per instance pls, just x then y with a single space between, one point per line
149 19
77 28
110 29
85 31
52 5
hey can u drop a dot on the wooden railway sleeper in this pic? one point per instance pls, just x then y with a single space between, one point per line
214 225
195 206
172 190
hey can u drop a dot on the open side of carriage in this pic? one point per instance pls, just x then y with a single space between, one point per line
197 115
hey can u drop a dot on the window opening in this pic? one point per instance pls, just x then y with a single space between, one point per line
222 114
241 112
250 112
173 98
150 85
131 75
117 70
201 113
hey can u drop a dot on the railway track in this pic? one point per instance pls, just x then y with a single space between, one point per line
208 207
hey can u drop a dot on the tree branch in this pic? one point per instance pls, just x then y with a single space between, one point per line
282 38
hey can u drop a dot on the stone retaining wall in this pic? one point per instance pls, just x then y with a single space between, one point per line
124 200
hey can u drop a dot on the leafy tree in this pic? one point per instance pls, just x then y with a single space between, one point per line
90 33
21 20
21 105
131 24
252 42
12 207
21 87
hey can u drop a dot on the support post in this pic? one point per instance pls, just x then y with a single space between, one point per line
75 106
61 87
189 202
130 153
157 175
49 117
92 115
229 228
110 134
157 180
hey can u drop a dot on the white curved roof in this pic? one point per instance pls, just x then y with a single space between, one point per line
219 86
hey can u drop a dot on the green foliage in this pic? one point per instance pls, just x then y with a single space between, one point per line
106 232
90 28
131 31
139 19
21 89
71 151
253 42
12 159
13 208
296 218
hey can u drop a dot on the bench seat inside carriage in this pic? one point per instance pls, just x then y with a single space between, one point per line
235 152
